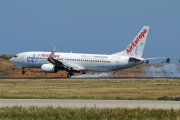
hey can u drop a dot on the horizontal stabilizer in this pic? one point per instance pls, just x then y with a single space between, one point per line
154 58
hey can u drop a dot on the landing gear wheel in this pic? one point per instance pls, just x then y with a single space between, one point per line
69 75
83 73
23 72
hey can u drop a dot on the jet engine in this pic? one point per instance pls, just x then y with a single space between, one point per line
48 68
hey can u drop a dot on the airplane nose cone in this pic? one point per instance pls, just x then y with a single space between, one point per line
11 60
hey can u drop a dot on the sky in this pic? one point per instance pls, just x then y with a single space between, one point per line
89 26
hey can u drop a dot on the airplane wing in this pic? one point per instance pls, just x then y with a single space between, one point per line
61 64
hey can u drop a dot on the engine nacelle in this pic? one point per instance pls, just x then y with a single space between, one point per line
48 68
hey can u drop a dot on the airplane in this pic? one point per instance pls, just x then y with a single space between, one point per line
81 63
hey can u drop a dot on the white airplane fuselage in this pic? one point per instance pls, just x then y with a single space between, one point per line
78 62
84 62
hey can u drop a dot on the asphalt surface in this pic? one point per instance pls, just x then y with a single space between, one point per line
91 103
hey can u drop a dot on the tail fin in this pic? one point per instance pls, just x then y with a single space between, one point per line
136 47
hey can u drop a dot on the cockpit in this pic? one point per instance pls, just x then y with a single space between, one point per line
14 59
15 56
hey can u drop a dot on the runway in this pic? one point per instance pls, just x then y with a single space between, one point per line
90 103
90 78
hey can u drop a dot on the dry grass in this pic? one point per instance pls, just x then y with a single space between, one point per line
90 89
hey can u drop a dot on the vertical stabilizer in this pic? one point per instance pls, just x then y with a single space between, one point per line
136 47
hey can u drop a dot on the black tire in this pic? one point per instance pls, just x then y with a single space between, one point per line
23 72
83 73
69 75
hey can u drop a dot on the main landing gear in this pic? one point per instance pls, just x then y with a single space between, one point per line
69 74
83 73
23 71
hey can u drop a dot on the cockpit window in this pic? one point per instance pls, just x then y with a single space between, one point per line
15 56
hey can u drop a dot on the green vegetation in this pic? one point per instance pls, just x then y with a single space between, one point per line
147 62
107 89
168 60
50 113
6 57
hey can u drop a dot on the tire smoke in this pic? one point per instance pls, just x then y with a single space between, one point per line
102 75
164 70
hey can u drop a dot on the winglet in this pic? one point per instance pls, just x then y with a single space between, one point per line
52 53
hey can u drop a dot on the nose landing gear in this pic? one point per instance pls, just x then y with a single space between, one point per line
23 71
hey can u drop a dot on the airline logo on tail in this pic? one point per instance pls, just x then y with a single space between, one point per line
133 45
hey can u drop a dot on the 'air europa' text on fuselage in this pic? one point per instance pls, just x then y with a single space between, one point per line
47 55
136 41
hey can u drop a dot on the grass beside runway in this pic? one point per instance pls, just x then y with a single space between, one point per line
50 113
114 89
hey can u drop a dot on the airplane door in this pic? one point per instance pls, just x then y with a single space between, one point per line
117 60
22 58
